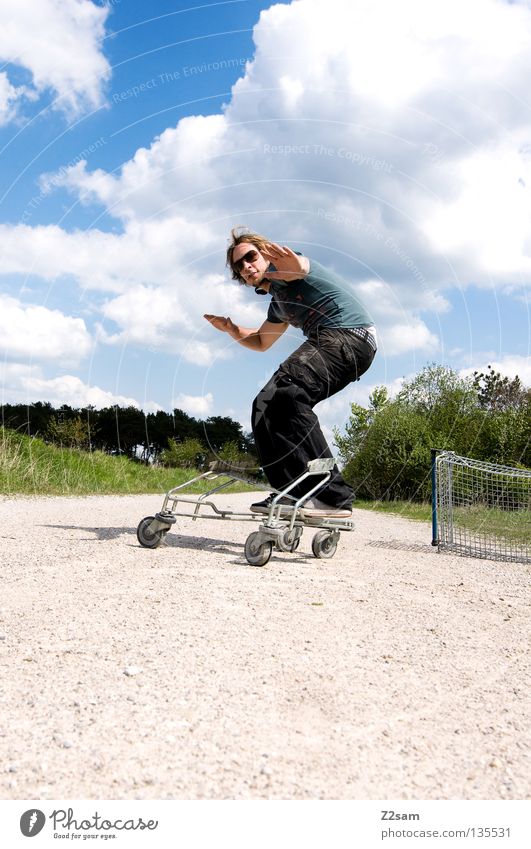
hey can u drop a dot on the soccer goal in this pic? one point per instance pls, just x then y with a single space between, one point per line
481 509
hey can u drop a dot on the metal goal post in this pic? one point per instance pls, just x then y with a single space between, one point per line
480 509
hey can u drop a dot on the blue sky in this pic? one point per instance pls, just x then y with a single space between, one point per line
389 141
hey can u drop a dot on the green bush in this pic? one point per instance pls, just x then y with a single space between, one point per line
393 461
244 461
386 447
69 433
189 454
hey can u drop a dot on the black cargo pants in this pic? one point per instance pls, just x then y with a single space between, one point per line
285 428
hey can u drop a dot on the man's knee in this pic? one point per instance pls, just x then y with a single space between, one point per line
279 394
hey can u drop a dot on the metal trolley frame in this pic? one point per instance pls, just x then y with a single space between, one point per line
280 528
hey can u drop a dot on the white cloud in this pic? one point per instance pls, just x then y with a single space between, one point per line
195 405
160 293
489 220
186 165
146 312
9 95
59 42
369 146
202 353
27 330
399 328
25 384
335 412
413 335
510 366
144 253
69 389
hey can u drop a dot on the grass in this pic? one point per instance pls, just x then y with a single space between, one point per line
513 526
29 466
420 512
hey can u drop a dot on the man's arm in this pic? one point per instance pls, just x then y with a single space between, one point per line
259 339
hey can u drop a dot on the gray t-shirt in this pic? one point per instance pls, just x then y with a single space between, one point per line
320 299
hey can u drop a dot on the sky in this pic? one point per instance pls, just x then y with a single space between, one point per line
389 141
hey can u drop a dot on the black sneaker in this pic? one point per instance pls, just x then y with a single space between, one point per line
265 505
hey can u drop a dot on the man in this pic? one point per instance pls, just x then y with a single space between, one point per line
340 346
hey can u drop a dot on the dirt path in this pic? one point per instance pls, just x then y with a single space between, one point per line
387 672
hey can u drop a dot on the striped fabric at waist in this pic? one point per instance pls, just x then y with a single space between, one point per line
367 334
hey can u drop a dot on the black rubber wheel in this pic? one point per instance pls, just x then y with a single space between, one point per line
295 545
291 540
324 544
257 553
166 516
146 537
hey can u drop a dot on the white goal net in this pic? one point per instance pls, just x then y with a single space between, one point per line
482 509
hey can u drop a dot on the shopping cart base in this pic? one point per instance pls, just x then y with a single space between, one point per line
280 529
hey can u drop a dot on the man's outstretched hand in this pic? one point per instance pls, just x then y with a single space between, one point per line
289 265
220 322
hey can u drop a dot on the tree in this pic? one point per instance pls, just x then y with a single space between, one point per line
496 392
218 430
32 419
360 421
190 453
392 461
125 430
69 433
232 453
185 426
386 447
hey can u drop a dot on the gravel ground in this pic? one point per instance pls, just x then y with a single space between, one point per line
387 672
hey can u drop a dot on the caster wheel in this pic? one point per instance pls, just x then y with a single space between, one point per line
324 544
166 516
146 537
257 553
295 545
290 540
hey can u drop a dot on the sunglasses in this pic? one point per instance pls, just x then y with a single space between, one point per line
250 256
